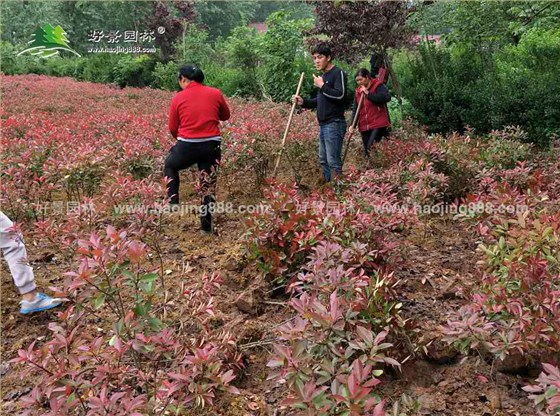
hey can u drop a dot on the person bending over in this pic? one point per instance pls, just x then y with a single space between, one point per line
373 118
194 120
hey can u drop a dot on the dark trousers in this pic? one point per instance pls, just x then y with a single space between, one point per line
182 156
373 136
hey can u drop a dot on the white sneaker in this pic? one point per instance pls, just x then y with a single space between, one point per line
41 303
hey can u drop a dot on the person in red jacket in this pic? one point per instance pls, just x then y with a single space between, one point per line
373 119
194 120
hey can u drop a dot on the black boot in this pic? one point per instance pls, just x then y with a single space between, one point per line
206 214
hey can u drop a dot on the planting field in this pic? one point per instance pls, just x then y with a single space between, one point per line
425 282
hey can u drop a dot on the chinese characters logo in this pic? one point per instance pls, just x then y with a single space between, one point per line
114 36
110 41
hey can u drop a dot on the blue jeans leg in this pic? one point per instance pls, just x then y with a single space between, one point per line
323 155
331 139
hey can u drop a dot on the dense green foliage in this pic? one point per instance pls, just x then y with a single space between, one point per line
219 18
489 24
246 63
460 85
496 66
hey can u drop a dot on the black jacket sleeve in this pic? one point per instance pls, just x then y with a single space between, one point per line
310 102
380 95
337 89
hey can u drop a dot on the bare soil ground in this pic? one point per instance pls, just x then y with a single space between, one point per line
437 274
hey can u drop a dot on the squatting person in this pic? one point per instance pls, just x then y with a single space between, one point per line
194 120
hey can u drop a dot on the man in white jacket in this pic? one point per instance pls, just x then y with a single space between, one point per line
11 244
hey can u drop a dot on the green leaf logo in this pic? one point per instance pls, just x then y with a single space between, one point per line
48 41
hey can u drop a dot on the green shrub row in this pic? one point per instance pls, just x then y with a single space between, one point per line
451 87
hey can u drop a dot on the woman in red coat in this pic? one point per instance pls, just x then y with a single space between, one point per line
194 120
373 119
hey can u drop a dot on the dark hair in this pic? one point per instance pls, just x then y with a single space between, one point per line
322 48
362 72
191 73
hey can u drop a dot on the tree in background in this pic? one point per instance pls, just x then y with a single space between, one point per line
174 19
21 18
489 24
496 66
283 56
297 9
357 29
79 18
242 50
221 17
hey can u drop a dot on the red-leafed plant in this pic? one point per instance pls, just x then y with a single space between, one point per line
281 238
546 393
114 352
331 354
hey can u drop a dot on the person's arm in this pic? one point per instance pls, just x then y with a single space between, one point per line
224 109
337 89
380 95
354 110
310 102
173 119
